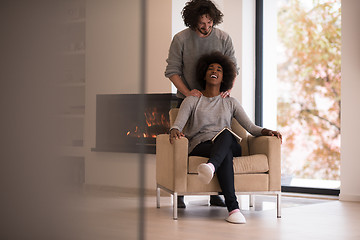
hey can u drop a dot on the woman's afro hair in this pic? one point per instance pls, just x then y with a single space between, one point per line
229 69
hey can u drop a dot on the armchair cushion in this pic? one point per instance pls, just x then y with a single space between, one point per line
248 164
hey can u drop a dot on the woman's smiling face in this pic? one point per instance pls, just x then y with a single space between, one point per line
214 74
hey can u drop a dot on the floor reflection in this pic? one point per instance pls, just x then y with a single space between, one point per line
262 202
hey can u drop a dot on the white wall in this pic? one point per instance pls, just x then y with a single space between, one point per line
158 42
239 22
270 65
112 63
350 99
112 67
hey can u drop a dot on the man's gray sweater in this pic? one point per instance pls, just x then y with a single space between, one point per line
187 47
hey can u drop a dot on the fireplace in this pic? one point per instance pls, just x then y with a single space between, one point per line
121 126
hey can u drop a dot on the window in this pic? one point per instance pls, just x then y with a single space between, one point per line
301 88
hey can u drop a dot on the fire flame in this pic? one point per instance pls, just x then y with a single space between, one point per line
153 119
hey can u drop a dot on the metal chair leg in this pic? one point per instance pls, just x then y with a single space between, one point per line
158 197
175 203
278 205
251 200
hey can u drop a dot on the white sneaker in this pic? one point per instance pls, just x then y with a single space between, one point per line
205 173
236 218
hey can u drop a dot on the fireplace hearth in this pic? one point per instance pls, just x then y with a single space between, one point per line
121 126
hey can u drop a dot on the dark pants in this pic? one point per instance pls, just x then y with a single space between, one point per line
220 154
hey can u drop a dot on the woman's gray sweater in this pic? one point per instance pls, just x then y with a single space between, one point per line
205 117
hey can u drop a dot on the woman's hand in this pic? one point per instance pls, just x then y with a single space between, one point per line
225 94
175 134
195 93
268 132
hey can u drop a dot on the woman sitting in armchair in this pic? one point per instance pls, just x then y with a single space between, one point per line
206 117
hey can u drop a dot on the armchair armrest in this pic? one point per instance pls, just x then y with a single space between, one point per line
271 147
171 163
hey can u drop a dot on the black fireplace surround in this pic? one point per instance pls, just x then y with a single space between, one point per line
123 124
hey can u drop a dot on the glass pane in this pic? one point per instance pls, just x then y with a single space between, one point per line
308 76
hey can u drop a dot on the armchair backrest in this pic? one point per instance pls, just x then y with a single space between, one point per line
235 126
173 114
239 130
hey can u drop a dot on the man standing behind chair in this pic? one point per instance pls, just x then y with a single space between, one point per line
201 37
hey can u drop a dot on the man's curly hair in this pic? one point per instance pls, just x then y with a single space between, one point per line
196 8
229 69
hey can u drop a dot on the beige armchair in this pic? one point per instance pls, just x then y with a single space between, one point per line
258 171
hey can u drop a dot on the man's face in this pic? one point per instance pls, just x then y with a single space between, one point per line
205 25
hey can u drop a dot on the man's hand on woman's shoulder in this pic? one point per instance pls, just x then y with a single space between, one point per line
195 93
